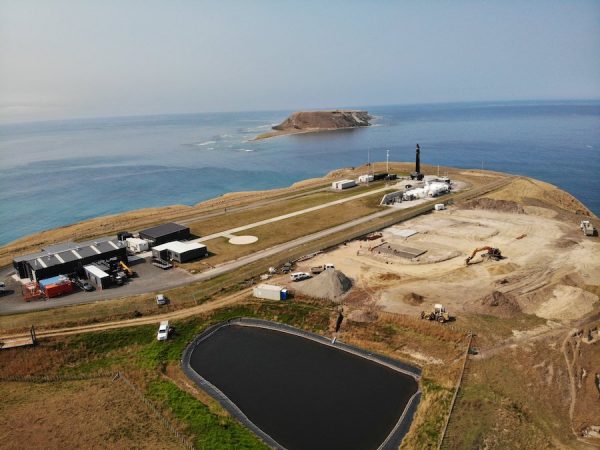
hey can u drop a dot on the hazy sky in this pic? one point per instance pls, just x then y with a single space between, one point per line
80 58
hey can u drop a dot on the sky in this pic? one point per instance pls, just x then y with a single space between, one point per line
82 58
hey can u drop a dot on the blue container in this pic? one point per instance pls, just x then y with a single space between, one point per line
283 294
48 281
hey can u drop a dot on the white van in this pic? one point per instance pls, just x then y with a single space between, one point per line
163 331
298 276
329 266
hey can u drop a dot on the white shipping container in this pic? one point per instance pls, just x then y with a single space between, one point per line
439 206
137 245
365 178
267 291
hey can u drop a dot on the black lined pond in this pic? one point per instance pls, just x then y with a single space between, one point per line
301 391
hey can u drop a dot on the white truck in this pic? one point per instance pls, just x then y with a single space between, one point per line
587 228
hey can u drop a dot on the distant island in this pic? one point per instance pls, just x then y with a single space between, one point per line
313 121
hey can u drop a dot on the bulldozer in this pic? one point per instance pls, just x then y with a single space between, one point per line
438 313
490 253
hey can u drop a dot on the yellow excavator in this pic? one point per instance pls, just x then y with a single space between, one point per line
130 273
490 253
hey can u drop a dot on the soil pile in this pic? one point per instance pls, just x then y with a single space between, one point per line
329 284
413 299
363 315
498 304
493 204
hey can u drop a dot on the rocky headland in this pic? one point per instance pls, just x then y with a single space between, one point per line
313 121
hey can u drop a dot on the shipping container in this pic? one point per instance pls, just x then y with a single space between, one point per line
269 292
54 290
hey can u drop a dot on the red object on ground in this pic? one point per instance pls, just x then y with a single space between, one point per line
30 291
54 290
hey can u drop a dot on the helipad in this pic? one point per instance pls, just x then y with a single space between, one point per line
243 240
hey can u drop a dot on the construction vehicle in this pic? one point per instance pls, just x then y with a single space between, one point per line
587 228
438 313
491 253
130 273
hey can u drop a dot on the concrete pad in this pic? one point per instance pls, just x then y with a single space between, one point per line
405 233
243 240
398 250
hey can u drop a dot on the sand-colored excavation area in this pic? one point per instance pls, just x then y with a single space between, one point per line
547 264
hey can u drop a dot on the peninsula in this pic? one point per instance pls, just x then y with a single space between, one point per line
313 121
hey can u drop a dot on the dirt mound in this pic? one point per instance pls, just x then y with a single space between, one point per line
413 299
497 304
493 204
389 277
329 284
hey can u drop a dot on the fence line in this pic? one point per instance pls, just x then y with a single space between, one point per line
166 422
460 378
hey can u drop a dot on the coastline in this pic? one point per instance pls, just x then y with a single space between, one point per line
280 133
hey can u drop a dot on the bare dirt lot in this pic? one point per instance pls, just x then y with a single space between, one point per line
87 414
546 267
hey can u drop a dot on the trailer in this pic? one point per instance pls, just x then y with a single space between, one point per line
343 184
270 292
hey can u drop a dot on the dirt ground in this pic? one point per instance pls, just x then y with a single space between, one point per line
87 414
547 267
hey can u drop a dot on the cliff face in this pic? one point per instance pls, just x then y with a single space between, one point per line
324 120
312 121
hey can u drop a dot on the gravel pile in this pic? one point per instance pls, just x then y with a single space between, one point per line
329 284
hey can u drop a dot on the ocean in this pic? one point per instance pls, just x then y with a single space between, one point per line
61 172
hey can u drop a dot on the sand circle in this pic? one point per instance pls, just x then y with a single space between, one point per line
243 240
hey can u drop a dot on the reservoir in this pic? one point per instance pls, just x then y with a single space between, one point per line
298 391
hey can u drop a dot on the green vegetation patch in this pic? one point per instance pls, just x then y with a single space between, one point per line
209 431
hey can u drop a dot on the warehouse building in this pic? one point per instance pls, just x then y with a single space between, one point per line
167 232
67 258
179 251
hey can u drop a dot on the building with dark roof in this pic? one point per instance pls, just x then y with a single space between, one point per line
67 258
167 232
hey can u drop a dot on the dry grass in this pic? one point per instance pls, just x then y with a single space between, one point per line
234 219
287 230
77 414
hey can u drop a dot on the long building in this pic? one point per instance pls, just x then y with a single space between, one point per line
67 258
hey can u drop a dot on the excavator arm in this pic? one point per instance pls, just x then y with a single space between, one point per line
490 251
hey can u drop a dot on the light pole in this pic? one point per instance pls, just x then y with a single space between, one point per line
387 161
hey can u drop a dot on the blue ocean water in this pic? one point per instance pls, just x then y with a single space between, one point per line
61 172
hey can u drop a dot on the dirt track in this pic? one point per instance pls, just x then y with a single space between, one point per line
175 315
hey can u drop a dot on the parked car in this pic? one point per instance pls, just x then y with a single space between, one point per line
298 276
163 331
87 287
161 300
